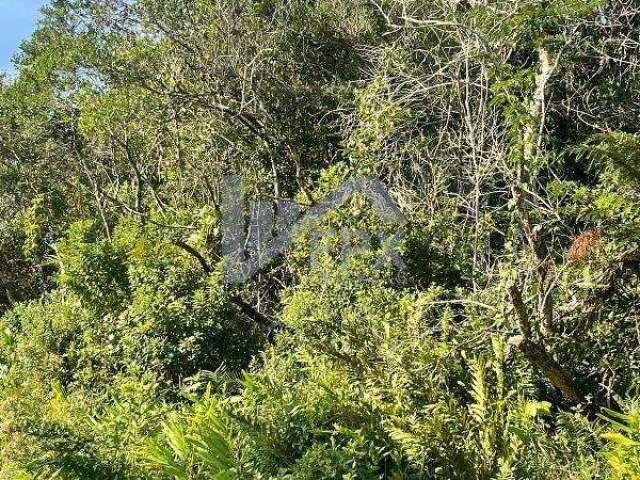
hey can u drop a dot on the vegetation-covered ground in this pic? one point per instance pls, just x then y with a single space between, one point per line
507 132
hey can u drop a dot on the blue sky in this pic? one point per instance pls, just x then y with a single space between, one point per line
17 22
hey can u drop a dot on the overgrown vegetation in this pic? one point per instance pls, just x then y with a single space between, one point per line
507 132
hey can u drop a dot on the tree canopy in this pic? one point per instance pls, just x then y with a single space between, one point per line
504 345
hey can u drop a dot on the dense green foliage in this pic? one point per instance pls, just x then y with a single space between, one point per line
508 347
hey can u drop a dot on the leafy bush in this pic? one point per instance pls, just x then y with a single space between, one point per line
623 440
505 132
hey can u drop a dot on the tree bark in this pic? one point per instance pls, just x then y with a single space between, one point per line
537 355
552 370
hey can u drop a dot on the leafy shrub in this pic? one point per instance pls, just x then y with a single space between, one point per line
623 444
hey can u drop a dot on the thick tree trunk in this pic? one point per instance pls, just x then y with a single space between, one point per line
552 370
536 353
